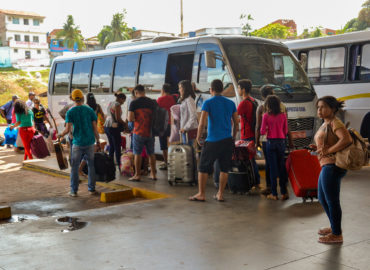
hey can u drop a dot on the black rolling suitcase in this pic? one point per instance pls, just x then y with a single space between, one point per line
105 170
241 176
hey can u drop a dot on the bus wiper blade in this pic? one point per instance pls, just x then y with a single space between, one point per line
285 89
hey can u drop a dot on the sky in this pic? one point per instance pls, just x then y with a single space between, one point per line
164 15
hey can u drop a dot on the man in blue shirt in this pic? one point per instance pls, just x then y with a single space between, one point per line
222 115
83 120
6 109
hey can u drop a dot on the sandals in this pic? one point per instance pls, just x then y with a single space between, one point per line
324 231
272 197
331 239
217 199
195 199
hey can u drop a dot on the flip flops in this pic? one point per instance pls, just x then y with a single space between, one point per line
195 199
219 200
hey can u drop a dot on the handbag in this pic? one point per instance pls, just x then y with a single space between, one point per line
353 156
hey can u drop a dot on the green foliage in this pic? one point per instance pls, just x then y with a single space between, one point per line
316 33
246 27
274 31
71 34
116 31
362 22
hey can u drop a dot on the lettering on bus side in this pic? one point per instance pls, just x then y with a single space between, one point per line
296 109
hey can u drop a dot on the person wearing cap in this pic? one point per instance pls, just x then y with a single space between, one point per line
83 121
29 102
7 109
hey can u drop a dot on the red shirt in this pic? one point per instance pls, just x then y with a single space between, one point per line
166 102
245 110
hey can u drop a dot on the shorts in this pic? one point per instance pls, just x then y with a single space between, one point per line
138 143
163 140
212 151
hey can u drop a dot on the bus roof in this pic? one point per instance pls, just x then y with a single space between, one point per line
165 44
352 37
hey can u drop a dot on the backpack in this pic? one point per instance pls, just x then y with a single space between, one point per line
105 170
355 155
159 120
254 115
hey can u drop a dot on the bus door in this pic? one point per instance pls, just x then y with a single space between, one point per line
179 66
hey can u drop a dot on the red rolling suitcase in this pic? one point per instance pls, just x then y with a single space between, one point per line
303 171
38 147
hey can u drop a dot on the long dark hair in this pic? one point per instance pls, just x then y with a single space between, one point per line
272 104
20 107
91 101
188 89
332 102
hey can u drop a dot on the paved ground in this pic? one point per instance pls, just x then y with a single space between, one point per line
245 232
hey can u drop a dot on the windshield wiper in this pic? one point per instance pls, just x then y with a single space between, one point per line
285 89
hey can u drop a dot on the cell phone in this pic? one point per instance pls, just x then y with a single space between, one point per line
309 148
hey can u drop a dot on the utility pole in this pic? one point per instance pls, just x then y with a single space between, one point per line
182 19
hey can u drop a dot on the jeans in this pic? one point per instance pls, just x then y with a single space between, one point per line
267 166
275 149
328 191
254 163
77 153
114 139
188 142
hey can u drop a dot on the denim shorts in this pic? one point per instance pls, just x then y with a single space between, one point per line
138 143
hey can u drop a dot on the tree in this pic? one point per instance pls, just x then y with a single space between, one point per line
274 31
116 31
71 34
361 22
317 32
305 34
246 27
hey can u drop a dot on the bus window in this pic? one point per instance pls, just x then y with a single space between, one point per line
125 73
313 65
207 75
365 63
101 75
81 74
332 64
153 70
61 79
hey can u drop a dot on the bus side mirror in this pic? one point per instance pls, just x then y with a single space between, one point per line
210 57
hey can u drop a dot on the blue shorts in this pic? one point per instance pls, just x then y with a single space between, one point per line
138 143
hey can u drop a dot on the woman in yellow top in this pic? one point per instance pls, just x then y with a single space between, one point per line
330 138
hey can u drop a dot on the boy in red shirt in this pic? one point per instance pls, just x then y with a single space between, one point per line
166 101
247 111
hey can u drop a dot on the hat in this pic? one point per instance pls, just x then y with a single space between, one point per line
15 97
31 94
77 95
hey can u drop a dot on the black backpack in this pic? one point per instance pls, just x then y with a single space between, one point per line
254 115
159 120
105 170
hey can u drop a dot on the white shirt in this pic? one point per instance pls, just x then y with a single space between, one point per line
29 104
188 114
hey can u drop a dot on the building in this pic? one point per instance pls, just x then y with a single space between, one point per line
56 45
288 23
24 34
328 32
92 44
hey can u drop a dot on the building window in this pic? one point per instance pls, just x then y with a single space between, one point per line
26 22
35 39
15 50
38 51
27 38
15 20
27 54
36 22
55 42
17 37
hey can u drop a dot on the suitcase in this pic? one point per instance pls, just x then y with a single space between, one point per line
38 146
105 170
10 136
59 153
181 167
303 172
241 176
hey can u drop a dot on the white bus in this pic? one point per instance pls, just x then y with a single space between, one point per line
152 64
339 66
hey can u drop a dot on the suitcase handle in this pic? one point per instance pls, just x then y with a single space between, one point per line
186 138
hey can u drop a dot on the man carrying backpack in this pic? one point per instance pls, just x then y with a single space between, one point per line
247 111
141 112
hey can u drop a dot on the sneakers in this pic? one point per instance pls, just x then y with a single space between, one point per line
331 239
72 194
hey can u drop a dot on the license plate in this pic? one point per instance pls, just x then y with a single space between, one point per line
298 134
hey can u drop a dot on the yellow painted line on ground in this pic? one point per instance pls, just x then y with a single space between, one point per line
5 212
364 95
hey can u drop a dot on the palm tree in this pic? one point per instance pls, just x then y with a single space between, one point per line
71 34
116 31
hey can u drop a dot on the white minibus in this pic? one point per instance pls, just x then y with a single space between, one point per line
229 58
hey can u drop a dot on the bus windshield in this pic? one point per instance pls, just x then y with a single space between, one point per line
269 64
